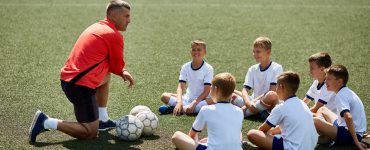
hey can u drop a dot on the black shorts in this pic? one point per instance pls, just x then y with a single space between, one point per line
83 100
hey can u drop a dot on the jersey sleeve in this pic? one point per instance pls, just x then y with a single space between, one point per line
275 117
183 76
199 122
343 104
248 83
209 76
276 73
116 58
310 93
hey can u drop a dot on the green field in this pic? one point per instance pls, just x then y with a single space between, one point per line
37 36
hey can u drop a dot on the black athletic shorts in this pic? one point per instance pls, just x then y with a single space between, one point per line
83 100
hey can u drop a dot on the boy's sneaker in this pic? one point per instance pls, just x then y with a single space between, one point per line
165 109
106 125
37 125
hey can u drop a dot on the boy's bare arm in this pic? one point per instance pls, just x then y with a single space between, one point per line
351 128
306 100
205 93
193 135
178 108
275 130
316 107
264 127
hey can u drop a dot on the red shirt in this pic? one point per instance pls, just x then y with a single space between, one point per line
99 42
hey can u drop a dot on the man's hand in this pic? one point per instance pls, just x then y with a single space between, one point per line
191 107
126 76
177 110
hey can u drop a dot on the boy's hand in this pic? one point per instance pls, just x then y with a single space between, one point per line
251 108
191 107
177 110
361 146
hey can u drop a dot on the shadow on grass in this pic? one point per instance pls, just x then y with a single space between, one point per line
105 140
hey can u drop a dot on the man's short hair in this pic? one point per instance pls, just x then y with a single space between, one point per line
339 72
225 82
290 80
262 42
322 59
199 42
117 4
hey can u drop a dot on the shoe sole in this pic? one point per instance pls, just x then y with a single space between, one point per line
37 114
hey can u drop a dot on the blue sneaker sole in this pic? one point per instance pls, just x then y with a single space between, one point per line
37 114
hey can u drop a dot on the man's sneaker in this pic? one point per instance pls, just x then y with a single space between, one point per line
37 125
105 125
165 109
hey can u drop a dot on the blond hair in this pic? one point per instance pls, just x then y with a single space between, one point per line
199 42
225 82
262 42
117 4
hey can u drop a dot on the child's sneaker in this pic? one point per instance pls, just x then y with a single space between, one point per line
37 125
105 125
165 109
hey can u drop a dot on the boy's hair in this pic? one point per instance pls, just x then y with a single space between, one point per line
199 42
339 72
290 80
117 4
225 82
262 42
322 59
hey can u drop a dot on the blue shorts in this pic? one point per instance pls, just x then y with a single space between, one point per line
344 137
277 143
201 147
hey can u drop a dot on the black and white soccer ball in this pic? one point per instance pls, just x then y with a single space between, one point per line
150 122
139 108
129 128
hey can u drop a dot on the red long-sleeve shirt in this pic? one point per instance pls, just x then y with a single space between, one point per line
99 42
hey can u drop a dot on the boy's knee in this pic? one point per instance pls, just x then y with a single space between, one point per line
106 80
165 97
175 136
317 121
251 135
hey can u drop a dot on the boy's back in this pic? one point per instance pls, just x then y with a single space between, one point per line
296 122
347 100
320 93
224 123
260 80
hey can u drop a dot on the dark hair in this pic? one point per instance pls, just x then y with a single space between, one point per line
290 80
339 72
322 59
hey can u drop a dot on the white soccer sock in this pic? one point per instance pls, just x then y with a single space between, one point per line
51 123
103 114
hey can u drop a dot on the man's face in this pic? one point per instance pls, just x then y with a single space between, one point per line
121 19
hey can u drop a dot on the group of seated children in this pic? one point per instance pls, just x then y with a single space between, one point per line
337 115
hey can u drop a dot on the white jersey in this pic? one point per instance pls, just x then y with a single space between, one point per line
296 122
260 80
319 93
347 100
195 78
224 124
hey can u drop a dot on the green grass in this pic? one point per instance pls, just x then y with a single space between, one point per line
36 38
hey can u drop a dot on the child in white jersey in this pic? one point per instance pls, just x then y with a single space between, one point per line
350 120
292 119
223 120
318 92
261 78
197 74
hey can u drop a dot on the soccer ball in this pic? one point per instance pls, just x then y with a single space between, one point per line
150 121
129 128
139 108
